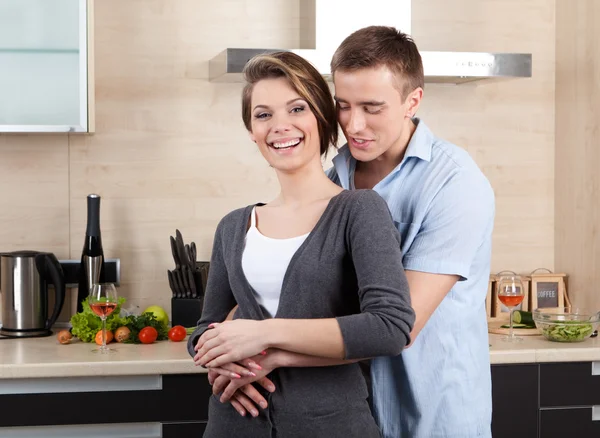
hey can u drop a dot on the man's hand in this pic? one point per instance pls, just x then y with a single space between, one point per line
230 341
243 396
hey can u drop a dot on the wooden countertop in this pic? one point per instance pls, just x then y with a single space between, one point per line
45 357
537 349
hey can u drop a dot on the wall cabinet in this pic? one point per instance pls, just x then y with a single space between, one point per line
46 73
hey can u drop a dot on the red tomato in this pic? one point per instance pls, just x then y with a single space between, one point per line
177 333
148 335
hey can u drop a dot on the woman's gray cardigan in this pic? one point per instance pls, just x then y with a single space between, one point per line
349 268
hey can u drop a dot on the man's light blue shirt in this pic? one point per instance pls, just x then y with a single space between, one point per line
443 206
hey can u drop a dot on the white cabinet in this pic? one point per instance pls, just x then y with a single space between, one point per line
45 69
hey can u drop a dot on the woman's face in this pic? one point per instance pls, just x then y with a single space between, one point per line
283 126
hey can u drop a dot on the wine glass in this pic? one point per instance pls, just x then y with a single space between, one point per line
511 294
103 302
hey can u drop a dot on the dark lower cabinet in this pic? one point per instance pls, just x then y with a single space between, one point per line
549 400
515 401
568 422
529 401
569 384
181 406
183 430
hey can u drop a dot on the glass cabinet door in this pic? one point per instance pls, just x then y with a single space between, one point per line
44 66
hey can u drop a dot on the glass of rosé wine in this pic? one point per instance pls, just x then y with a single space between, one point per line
511 294
103 302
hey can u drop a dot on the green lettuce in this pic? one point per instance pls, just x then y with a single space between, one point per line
86 323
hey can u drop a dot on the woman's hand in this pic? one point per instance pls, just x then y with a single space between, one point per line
230 341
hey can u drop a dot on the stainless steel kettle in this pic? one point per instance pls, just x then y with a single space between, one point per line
24 279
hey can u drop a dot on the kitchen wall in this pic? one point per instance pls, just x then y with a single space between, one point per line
170 150
577 124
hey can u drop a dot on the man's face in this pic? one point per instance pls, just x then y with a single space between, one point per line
372 113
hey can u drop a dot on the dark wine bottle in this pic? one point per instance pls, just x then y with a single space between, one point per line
92 257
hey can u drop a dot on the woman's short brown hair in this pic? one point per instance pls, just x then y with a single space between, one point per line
304 79
377 46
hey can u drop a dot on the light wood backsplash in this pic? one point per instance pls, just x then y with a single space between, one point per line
170 150
34 193
507 127
577 123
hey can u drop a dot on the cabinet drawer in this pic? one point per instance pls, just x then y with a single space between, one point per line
182 398
183 430
40 409
515 390
568 422
569 384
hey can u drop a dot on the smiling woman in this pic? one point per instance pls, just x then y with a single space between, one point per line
283 126
315 278
292 76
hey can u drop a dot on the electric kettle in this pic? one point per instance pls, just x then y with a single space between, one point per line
24 279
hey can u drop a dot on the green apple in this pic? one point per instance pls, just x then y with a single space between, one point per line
159 313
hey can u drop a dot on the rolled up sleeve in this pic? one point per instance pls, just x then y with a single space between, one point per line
454 227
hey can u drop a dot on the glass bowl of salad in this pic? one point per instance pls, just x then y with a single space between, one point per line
566 324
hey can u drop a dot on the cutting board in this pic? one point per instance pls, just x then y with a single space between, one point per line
494 327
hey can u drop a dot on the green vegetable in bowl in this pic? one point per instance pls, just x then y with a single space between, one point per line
567 331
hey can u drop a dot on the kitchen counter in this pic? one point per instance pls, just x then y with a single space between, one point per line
45 357
536 349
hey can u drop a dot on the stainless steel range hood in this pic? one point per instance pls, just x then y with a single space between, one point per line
327 27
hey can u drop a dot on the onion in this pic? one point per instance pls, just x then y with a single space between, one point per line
64 336
122 334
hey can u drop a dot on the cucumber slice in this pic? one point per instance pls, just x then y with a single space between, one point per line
516 326
522 317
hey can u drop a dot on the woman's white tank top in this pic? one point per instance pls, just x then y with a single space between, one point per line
265 261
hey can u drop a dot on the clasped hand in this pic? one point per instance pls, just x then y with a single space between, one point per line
239 391
230 341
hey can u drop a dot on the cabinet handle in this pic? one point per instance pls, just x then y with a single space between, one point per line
146 430
51 385
596 368
596 413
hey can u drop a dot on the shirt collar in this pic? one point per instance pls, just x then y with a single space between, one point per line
421 141
419 146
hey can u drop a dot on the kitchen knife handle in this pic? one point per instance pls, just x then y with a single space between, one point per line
192 282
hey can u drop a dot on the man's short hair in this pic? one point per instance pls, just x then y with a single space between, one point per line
376 46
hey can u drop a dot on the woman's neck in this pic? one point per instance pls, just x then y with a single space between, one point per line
304 186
